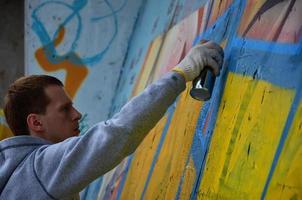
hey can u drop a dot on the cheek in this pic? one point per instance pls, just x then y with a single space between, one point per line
61 126
54 123
56 120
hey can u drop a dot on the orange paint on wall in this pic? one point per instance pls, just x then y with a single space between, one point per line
75 73
259 21
218 9
178 41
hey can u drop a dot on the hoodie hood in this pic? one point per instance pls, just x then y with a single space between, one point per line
13 151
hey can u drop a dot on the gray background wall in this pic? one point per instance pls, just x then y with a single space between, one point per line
11 43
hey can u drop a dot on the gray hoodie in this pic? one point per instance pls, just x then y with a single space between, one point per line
33 168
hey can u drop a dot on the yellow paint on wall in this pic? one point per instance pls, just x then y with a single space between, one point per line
148 66
141 163
188 182
171 163
251 117
143 157
5 132
287 178
159 57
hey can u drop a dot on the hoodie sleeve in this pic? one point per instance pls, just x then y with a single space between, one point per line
65 168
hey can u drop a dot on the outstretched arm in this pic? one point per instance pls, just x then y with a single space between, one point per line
65 168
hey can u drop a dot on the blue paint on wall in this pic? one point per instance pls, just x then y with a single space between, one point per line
120 189
170 113
153 21
79 17
47 40
224 28
288 124
277 63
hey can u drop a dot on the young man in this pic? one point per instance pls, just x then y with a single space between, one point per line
48 160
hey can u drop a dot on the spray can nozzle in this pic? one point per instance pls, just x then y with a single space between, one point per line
202 86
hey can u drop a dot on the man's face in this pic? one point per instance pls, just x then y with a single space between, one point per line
61 119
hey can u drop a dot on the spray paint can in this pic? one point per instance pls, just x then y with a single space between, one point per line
202 86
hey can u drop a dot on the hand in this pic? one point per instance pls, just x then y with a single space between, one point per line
208 54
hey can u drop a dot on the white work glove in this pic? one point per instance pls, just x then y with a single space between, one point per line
208 54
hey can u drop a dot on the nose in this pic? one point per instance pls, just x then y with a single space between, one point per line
77 115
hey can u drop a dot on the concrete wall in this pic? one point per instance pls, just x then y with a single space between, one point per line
11 50
155 18
245 143
83 43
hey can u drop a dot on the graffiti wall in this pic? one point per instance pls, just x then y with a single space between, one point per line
245 143
83 43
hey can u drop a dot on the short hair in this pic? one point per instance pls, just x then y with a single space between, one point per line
26 95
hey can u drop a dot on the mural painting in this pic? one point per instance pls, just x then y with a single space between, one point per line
245 143
82 43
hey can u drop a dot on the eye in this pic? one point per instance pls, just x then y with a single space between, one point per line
65 108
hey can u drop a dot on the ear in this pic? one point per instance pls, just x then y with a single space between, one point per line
34 123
